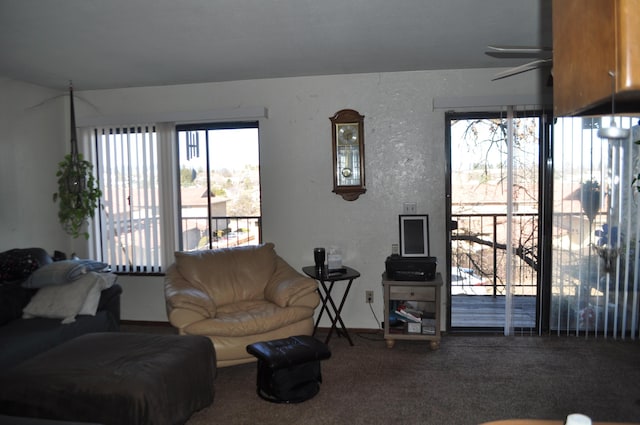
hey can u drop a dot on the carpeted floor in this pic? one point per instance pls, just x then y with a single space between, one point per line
469 380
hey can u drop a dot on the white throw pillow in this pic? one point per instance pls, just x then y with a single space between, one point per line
90 305
106 280
65 301
103 281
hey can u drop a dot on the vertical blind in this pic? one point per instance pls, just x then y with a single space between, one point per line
595 278
525 135
130 213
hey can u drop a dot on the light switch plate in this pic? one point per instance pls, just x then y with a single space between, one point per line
410 208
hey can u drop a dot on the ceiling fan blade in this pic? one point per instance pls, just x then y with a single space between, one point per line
522 68
517 52
520 49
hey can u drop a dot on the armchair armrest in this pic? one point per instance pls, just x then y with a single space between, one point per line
288 287
181 294
182 318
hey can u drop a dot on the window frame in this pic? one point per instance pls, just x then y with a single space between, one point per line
208 126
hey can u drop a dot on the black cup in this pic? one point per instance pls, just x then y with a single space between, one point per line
318 256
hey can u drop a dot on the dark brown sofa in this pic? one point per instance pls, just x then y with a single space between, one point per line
22 338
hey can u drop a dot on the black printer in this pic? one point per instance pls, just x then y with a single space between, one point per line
410 268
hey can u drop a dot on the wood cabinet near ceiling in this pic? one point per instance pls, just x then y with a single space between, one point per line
590 39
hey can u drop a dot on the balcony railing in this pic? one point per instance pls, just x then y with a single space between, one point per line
200 233
479 254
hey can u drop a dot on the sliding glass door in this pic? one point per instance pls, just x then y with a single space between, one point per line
494 192
543 235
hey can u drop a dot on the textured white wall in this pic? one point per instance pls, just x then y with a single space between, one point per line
33 125
404 155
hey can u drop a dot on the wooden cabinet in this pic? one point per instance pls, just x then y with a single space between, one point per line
590 39
426 295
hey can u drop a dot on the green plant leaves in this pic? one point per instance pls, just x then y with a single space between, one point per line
78 194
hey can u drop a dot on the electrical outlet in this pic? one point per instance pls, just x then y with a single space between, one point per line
410 208
368 297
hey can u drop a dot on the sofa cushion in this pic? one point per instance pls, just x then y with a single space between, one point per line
65 301
229 275
24 338
13 298
62 272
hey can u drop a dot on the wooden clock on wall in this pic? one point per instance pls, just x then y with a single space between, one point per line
347 130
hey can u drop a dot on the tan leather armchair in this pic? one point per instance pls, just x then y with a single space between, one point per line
238 296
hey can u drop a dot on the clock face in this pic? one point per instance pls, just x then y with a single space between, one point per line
347 134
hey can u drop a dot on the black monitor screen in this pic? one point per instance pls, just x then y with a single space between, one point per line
414 235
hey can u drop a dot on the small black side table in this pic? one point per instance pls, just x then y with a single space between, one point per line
327 301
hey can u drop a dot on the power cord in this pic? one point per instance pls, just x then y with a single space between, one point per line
374 316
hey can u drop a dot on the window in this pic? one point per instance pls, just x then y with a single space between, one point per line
202 192
219 170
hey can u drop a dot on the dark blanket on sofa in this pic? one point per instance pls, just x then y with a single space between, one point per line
114 378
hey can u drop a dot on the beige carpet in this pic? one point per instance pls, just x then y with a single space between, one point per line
469 380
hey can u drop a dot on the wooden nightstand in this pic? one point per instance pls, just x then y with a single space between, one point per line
426 295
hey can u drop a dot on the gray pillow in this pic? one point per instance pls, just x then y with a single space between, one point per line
61 272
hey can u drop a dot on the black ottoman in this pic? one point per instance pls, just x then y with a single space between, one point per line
114 379
289 368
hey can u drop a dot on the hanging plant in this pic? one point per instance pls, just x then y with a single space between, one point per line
78 192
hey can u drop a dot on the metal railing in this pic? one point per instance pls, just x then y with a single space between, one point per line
479 246
200 233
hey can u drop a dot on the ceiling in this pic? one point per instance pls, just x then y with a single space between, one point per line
108 44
